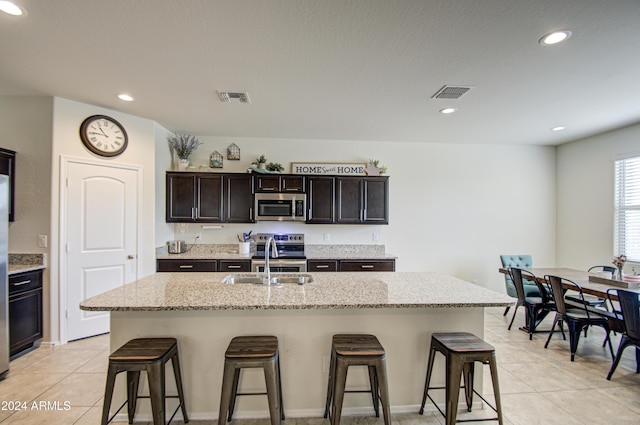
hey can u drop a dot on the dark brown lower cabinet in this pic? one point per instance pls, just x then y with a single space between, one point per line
234 265
25 310
178 265
322 266
367 265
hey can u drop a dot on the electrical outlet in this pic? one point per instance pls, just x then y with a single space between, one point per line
42 241
376 236
327 237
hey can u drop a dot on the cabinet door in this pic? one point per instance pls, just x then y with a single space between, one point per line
234 265
367 265
322 265
209 198
8 167
238 198
180 189
267 183
25 320
320 200
186 265
376 200
292 184
349 200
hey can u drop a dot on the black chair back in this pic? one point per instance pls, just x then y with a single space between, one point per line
558 290
630 306
609 269
542 287
516 276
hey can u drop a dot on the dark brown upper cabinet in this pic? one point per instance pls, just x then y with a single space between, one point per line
362 200
320 200
238 198
194 197
8 167
286 184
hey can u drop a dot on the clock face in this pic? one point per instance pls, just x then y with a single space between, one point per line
103 135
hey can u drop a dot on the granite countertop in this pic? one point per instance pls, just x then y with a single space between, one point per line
19 263
312 252
205 291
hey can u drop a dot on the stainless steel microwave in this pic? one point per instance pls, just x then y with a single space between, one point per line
280 206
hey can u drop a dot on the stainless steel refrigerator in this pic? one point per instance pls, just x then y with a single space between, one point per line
4 281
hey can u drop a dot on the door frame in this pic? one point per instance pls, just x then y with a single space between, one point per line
62 257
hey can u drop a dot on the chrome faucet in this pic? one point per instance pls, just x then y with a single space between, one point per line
266 278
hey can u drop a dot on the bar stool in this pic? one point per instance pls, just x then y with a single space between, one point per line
461 350
150 355
251 352
357 350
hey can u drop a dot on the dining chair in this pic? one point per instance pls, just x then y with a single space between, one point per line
629 321
537 307
592 300
578 318
520 261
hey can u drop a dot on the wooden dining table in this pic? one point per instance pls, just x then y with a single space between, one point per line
581 278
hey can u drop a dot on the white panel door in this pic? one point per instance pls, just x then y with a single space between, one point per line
101 239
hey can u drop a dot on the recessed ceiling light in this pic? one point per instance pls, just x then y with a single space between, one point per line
555 37
125 97
448 110
11 8
558 128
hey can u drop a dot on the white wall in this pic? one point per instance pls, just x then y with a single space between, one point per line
585 196
26 123
453 208
67 117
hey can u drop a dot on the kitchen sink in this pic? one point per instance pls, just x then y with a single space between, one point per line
278 279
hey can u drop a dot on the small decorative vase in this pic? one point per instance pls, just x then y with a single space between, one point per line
262 165
620 273
183 164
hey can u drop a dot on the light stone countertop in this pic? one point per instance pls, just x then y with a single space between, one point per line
205 291
19 263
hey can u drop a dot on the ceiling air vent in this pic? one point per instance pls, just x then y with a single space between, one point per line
451 92
229 96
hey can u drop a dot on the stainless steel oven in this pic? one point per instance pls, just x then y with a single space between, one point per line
280 266
280 206
291 257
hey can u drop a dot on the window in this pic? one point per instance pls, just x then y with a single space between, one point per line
627 207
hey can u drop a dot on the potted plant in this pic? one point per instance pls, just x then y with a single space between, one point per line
260 161
375 169
277 167
183 146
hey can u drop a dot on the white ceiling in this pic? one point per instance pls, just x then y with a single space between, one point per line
337 69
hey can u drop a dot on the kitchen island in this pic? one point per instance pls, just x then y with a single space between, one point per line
401 309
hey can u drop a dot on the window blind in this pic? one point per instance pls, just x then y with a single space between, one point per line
627 207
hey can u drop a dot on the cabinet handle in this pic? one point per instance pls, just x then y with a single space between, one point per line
24 282
186 266
268 189
250 213
234 267
367 266
193 213
322 266
286 189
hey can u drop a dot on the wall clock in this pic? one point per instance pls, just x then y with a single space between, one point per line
103 135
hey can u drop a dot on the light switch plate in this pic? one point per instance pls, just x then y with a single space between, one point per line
42 241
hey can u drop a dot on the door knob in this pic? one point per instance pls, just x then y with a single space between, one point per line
131 257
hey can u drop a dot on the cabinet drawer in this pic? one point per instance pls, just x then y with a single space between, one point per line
26 281
367 265
322 266
186 266
234 265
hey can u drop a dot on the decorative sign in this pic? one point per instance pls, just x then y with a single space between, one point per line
329 168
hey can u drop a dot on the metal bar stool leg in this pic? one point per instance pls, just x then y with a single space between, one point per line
133 382
155 373
468 369
225 395
374 389
332 367
454 374
175 361
234 393
432 355
108 393
279 377
270 378
381 374
493 367
338 390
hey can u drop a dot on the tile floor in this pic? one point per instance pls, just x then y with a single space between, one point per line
538 386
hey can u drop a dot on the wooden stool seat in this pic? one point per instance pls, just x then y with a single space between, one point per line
251 352
356 350
461 351
145 355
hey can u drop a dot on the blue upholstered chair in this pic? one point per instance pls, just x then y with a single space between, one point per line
521 262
